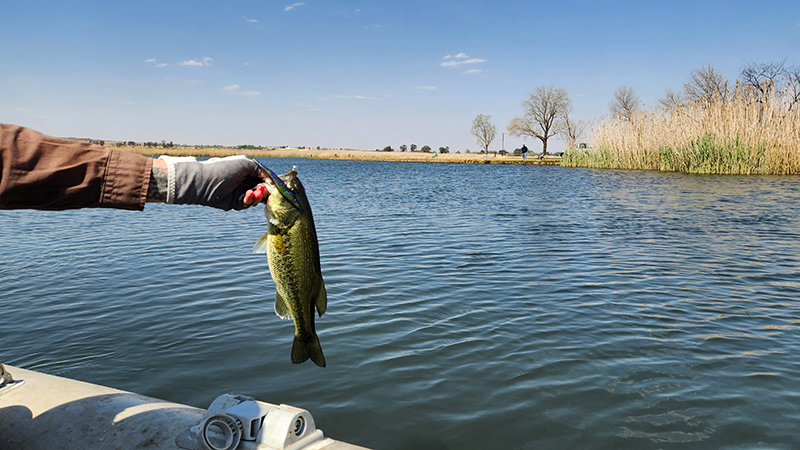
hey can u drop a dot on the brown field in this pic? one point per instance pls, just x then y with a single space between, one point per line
351 155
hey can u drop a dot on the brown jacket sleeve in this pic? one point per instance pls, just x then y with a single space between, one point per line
42 172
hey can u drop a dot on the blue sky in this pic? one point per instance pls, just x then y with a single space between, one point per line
356 74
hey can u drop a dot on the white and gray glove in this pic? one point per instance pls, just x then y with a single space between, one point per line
216 182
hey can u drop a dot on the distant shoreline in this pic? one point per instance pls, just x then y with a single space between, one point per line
349 155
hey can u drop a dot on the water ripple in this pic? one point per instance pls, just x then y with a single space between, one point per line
469 306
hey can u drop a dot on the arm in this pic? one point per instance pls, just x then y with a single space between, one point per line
43 172
157 188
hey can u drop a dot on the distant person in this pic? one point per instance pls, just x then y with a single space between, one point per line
524 152
42 172
541 157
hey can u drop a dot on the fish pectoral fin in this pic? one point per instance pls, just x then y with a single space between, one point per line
261 244
322 299
281 308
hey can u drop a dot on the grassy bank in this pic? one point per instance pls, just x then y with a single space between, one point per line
737 136
351 155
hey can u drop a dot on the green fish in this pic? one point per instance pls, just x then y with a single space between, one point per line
293 255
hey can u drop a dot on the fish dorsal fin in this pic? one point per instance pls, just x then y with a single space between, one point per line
261 244
322 298
280 307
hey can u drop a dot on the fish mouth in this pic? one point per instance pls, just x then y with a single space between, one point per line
285 191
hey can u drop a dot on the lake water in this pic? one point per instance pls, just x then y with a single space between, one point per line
469 306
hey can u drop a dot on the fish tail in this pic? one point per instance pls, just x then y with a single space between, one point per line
302 350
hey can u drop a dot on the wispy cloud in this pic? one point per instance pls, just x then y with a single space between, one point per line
460 59
356 97
204 61
455 63
293 6
426 88
184 80
461 63
235 89
472 71
250 20
152 60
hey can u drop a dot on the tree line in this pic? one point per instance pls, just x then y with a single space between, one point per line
706 86
547 112
413 148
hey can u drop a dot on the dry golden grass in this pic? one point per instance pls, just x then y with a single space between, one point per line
352 155
737 136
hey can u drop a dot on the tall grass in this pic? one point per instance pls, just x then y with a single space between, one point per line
737 135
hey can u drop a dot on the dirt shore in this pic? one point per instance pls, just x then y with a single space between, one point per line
344 154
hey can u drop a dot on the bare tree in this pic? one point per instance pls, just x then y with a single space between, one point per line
671 99
793 86
625 103
543 114
706 86
761 78
573 129
775 78
483 129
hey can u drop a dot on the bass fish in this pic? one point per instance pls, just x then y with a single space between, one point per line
293 256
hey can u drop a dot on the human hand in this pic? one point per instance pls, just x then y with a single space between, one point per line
256 195
224 183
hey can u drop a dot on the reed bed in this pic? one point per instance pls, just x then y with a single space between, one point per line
737 135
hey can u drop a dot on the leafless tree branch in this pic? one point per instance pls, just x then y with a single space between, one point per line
625 103
543 114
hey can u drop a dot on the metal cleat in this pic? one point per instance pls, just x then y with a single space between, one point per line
5 377
7 382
